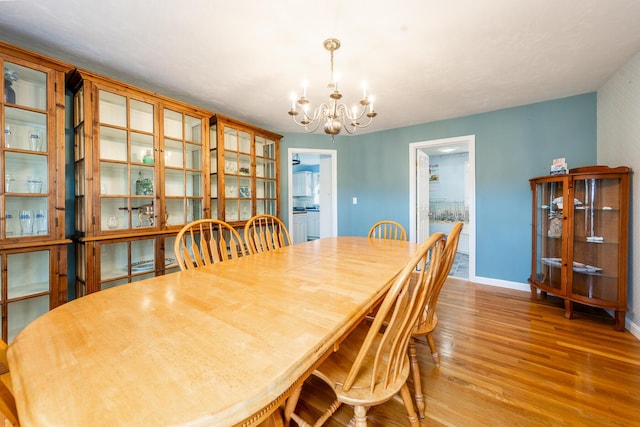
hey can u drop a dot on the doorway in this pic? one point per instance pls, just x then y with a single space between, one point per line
442 192
322 203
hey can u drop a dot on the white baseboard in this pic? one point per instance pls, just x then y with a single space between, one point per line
632 327
501 283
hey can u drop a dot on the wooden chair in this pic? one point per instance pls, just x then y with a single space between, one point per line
372 365
207 241
7 402
264 233
428 319
387 230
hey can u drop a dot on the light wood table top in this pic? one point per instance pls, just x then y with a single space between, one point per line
210 346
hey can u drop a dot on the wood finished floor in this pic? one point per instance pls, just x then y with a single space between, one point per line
509 361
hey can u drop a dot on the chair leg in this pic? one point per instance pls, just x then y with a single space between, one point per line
328 413
408 404
434 349
292 402
360 416
417 383
290 407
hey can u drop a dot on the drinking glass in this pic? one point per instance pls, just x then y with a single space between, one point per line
10 223
26 222
40 223
112 222
34 184
8 136
9 180
35 140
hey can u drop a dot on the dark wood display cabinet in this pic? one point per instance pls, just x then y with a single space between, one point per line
580 238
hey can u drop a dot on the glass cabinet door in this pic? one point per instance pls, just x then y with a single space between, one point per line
128 261
183 168
549 205
237 175
127 175
27 289
596 238
25 153
244 172
266 176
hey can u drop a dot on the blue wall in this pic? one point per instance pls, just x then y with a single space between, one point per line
512 146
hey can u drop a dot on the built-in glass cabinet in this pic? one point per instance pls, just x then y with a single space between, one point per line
244 171
580 238
32 192
140 176
103 264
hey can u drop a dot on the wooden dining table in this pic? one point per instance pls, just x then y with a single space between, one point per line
220 345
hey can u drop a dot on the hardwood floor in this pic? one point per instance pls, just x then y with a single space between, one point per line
509 361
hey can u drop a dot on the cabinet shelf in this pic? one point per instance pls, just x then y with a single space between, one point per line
580 254
582 241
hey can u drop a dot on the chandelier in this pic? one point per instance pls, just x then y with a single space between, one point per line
334 115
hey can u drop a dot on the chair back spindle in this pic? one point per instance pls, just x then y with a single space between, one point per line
264 233
207 241
387 229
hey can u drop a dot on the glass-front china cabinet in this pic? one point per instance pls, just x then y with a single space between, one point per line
33 248
244 171
140 175
580 238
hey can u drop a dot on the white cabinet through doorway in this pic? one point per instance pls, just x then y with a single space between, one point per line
313 225
303 184
299 228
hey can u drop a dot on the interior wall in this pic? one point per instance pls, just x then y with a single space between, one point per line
450 185
618 145
512 146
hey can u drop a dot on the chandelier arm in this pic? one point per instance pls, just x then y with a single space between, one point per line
315 119
356 117
306 126
353 122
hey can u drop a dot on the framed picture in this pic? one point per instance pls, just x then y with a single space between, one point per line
434 173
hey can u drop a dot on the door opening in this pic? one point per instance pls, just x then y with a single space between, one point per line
313 192
442 192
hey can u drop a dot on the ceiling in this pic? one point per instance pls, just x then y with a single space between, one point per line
423 60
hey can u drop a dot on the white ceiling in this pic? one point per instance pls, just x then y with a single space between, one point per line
424 60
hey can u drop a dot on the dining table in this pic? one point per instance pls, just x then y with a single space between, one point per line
219 345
